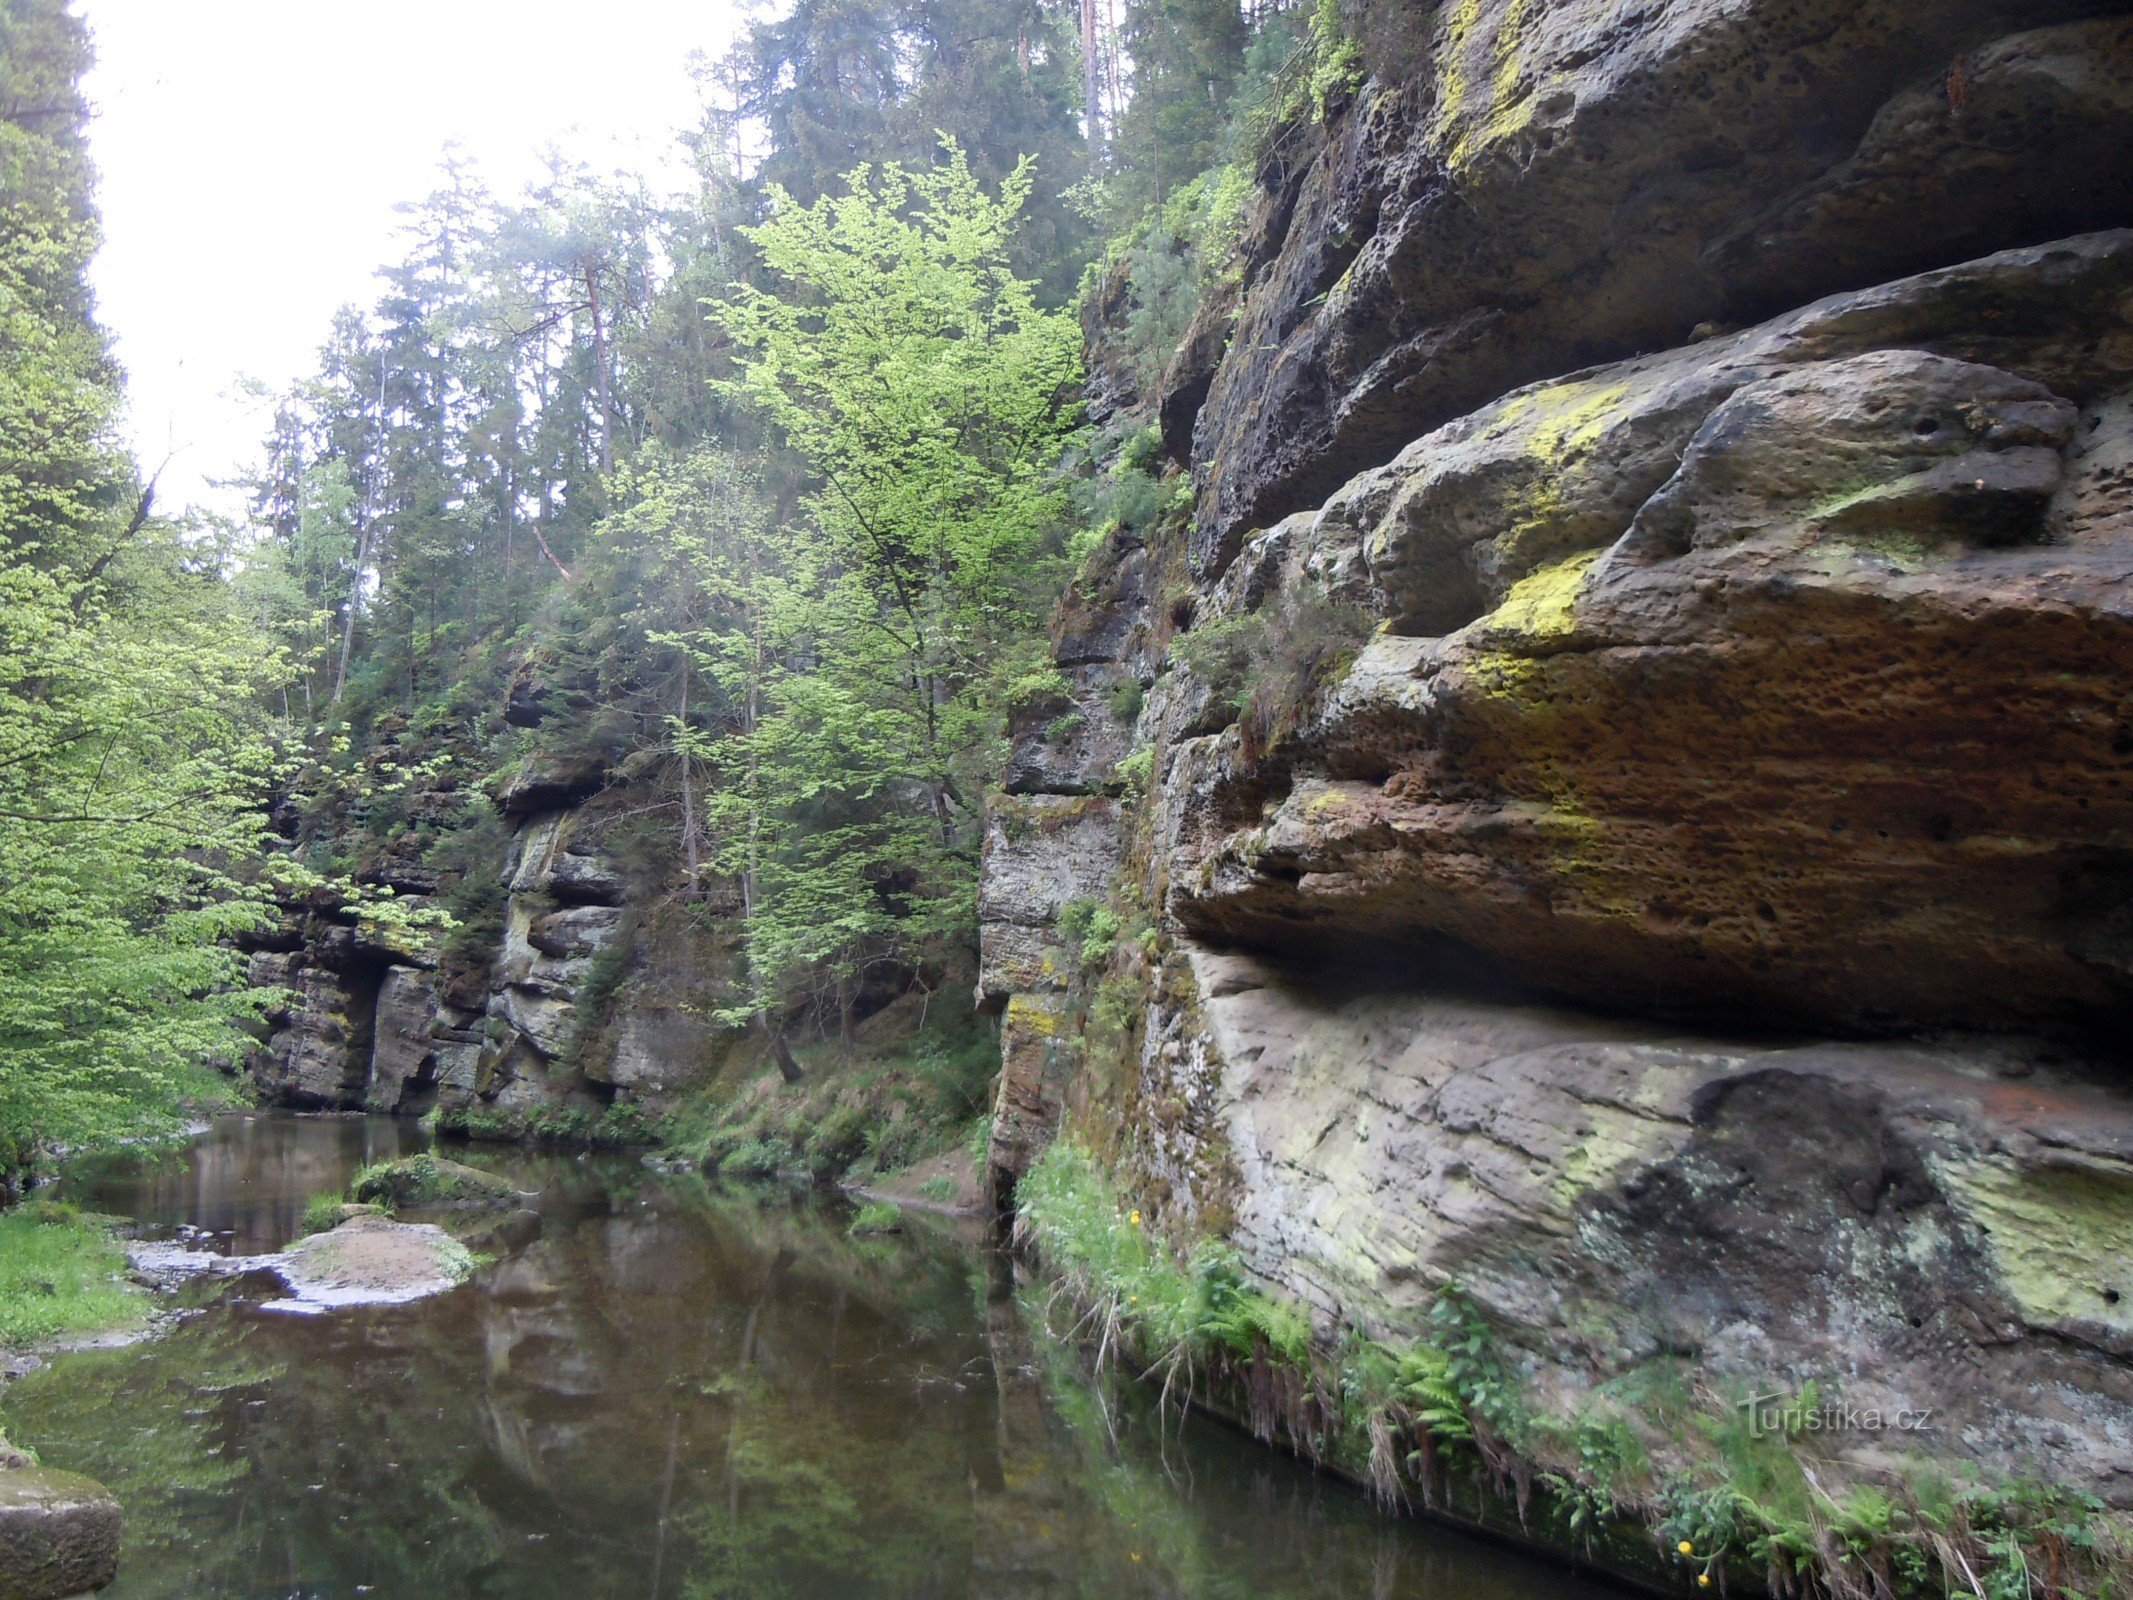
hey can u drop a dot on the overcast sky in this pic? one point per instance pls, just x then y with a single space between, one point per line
251 152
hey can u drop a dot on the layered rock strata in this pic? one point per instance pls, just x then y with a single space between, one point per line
552 1023
1536 188
1640 804
1787 671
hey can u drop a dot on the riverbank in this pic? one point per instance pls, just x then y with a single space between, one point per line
62 1276
1669 1490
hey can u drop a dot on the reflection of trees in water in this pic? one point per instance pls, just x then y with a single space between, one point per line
661 1390
247 1181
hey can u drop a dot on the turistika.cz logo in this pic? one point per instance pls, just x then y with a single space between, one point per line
1770 1414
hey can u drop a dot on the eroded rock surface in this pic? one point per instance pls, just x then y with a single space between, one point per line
1944 1227
1662 543
59 1534
1524 189
1791 670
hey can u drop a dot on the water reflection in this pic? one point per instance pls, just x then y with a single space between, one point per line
660 1390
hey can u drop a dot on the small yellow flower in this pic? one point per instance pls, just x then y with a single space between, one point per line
1135 1219
1686 1548
1703 1580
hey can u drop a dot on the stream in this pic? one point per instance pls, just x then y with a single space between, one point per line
658 1388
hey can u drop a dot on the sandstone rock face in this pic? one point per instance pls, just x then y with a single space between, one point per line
1662 545
319 1056
1055 837
59 1535
376 1026
1524 190
1790 670
1040 854
403 1055
1943 1227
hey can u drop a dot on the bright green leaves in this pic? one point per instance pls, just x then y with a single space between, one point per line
861 651
134 758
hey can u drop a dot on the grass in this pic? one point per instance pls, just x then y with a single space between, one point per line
424 1180
1202 1320
61 1273
323 1211
876 1216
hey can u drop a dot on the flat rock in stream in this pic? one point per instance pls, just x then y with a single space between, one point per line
368 1261
59 1534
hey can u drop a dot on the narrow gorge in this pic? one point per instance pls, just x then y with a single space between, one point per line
1469 820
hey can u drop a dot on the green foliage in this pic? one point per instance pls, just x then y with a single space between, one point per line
1336 59
1187 56
627 1123
465 857
60 1273
1135 772
134 754
1225 654
1268 664
425 1180
551 1124
831 84
323 1211
1091 929
876 1216
758 1158
869 651
1474 1370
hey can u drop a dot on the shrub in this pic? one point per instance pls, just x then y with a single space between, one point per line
323 1211
876 1216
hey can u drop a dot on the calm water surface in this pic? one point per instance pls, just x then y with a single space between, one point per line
661 1389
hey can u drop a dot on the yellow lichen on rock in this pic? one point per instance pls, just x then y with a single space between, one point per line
1465 129
2061 1237
1542 604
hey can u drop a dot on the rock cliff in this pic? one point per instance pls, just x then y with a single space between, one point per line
1625 804
548 1030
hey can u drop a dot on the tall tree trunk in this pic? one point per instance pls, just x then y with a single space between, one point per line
691 829
355 599
1091 79
788 1069
607 406
363 527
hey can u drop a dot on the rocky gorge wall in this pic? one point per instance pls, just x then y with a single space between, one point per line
1623 801
564 1026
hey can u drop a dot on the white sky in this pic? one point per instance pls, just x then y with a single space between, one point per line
251 153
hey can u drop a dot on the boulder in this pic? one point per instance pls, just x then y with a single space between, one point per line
59 1534
574 932
547 781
